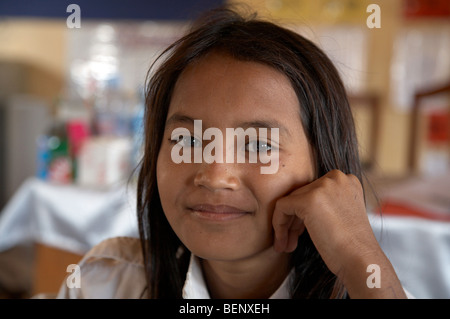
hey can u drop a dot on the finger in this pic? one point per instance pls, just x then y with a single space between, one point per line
297 228
284 221
281 228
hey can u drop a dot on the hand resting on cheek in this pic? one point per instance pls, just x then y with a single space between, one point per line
332 210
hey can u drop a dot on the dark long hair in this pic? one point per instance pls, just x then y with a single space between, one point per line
325 115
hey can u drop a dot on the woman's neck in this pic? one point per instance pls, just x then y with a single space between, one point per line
257 277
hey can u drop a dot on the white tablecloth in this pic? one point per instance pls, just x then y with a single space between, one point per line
419 250
67 216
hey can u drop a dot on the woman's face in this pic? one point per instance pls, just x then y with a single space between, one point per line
223 211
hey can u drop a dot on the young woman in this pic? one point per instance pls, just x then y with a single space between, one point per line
221 228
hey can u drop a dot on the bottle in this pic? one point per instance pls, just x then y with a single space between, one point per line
43 157
60 163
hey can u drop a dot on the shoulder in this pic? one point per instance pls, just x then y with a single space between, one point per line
120 249
112 269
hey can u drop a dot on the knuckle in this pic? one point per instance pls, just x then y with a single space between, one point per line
354 180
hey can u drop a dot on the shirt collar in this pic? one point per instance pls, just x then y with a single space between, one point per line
195 286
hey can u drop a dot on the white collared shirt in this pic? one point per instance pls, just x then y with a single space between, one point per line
195 286
114 269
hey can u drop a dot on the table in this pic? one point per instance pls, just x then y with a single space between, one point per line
67 217
419 250
59 223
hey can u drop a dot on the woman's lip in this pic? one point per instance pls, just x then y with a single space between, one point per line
218 209
217 212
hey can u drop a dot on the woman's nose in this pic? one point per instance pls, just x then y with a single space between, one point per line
217 176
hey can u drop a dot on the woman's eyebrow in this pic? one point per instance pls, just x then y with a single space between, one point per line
269 124
179 118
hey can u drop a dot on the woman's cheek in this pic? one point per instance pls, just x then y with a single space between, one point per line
290 176
268 188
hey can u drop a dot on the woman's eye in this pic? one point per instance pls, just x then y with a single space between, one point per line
188 141
258 146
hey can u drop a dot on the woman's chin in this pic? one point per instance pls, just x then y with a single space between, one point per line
226 251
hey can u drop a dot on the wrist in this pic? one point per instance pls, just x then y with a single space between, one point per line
370 276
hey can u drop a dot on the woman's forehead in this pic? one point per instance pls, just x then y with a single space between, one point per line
221 86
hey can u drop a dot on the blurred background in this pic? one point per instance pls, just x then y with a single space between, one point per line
71 104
